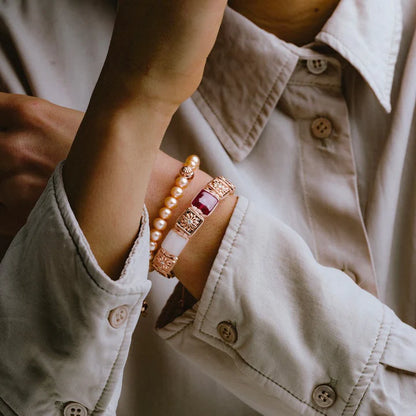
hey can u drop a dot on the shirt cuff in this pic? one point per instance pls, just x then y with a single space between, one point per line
67 326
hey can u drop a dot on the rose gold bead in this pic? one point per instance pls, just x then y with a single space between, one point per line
181 181
187 172
159 224
192 160
155 235
171 202
176 192
153 245
165 213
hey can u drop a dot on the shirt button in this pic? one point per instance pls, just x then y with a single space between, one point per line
145 308
227 332
324 396
118 316
316 66
75 409
321 128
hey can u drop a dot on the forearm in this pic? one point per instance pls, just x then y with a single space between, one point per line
107 172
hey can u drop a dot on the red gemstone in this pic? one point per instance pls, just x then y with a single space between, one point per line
205 201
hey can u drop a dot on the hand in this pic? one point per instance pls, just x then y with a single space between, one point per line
34 136
159 48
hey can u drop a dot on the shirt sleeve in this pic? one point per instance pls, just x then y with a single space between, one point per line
65 325
289 336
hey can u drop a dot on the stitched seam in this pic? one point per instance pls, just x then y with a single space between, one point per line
356 57
315 84
264 375
372 378
238 354
223 266
266 101
260 111
354 389
79 254
115 361
8 407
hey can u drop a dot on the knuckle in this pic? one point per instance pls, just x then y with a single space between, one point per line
30 110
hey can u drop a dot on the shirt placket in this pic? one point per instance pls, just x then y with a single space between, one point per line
329 179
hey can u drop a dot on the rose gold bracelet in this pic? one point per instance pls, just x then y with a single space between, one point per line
189 222
186 174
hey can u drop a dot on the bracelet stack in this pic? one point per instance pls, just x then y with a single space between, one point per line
189 222
186 174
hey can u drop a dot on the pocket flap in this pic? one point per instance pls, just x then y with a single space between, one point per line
400 351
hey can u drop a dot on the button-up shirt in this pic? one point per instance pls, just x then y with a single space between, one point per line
310 304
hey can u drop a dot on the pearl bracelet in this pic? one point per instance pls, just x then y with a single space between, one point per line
189 222
186 174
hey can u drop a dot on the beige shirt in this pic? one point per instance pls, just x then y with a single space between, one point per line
319 252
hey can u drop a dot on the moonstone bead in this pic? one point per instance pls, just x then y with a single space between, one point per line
174 243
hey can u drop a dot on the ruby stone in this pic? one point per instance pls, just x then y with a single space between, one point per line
205 201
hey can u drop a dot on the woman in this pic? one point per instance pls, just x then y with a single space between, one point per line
284 320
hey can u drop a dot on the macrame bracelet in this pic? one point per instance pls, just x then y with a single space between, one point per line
186 174
189 222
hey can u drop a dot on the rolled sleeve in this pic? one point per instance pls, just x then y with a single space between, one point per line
291 324
65 325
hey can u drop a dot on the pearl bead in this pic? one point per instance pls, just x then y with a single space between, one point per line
159 224
155 235
192 164
171 202
192 159
181 181
153 245
176 192
165 213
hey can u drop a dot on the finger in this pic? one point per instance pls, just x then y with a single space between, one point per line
20 152
20 192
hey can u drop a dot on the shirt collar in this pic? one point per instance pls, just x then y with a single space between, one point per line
248 69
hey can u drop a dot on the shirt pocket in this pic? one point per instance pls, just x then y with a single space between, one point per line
400 351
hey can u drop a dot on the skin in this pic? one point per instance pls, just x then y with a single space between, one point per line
295 21
115 161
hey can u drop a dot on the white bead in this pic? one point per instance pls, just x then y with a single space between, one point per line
174 243
153 245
